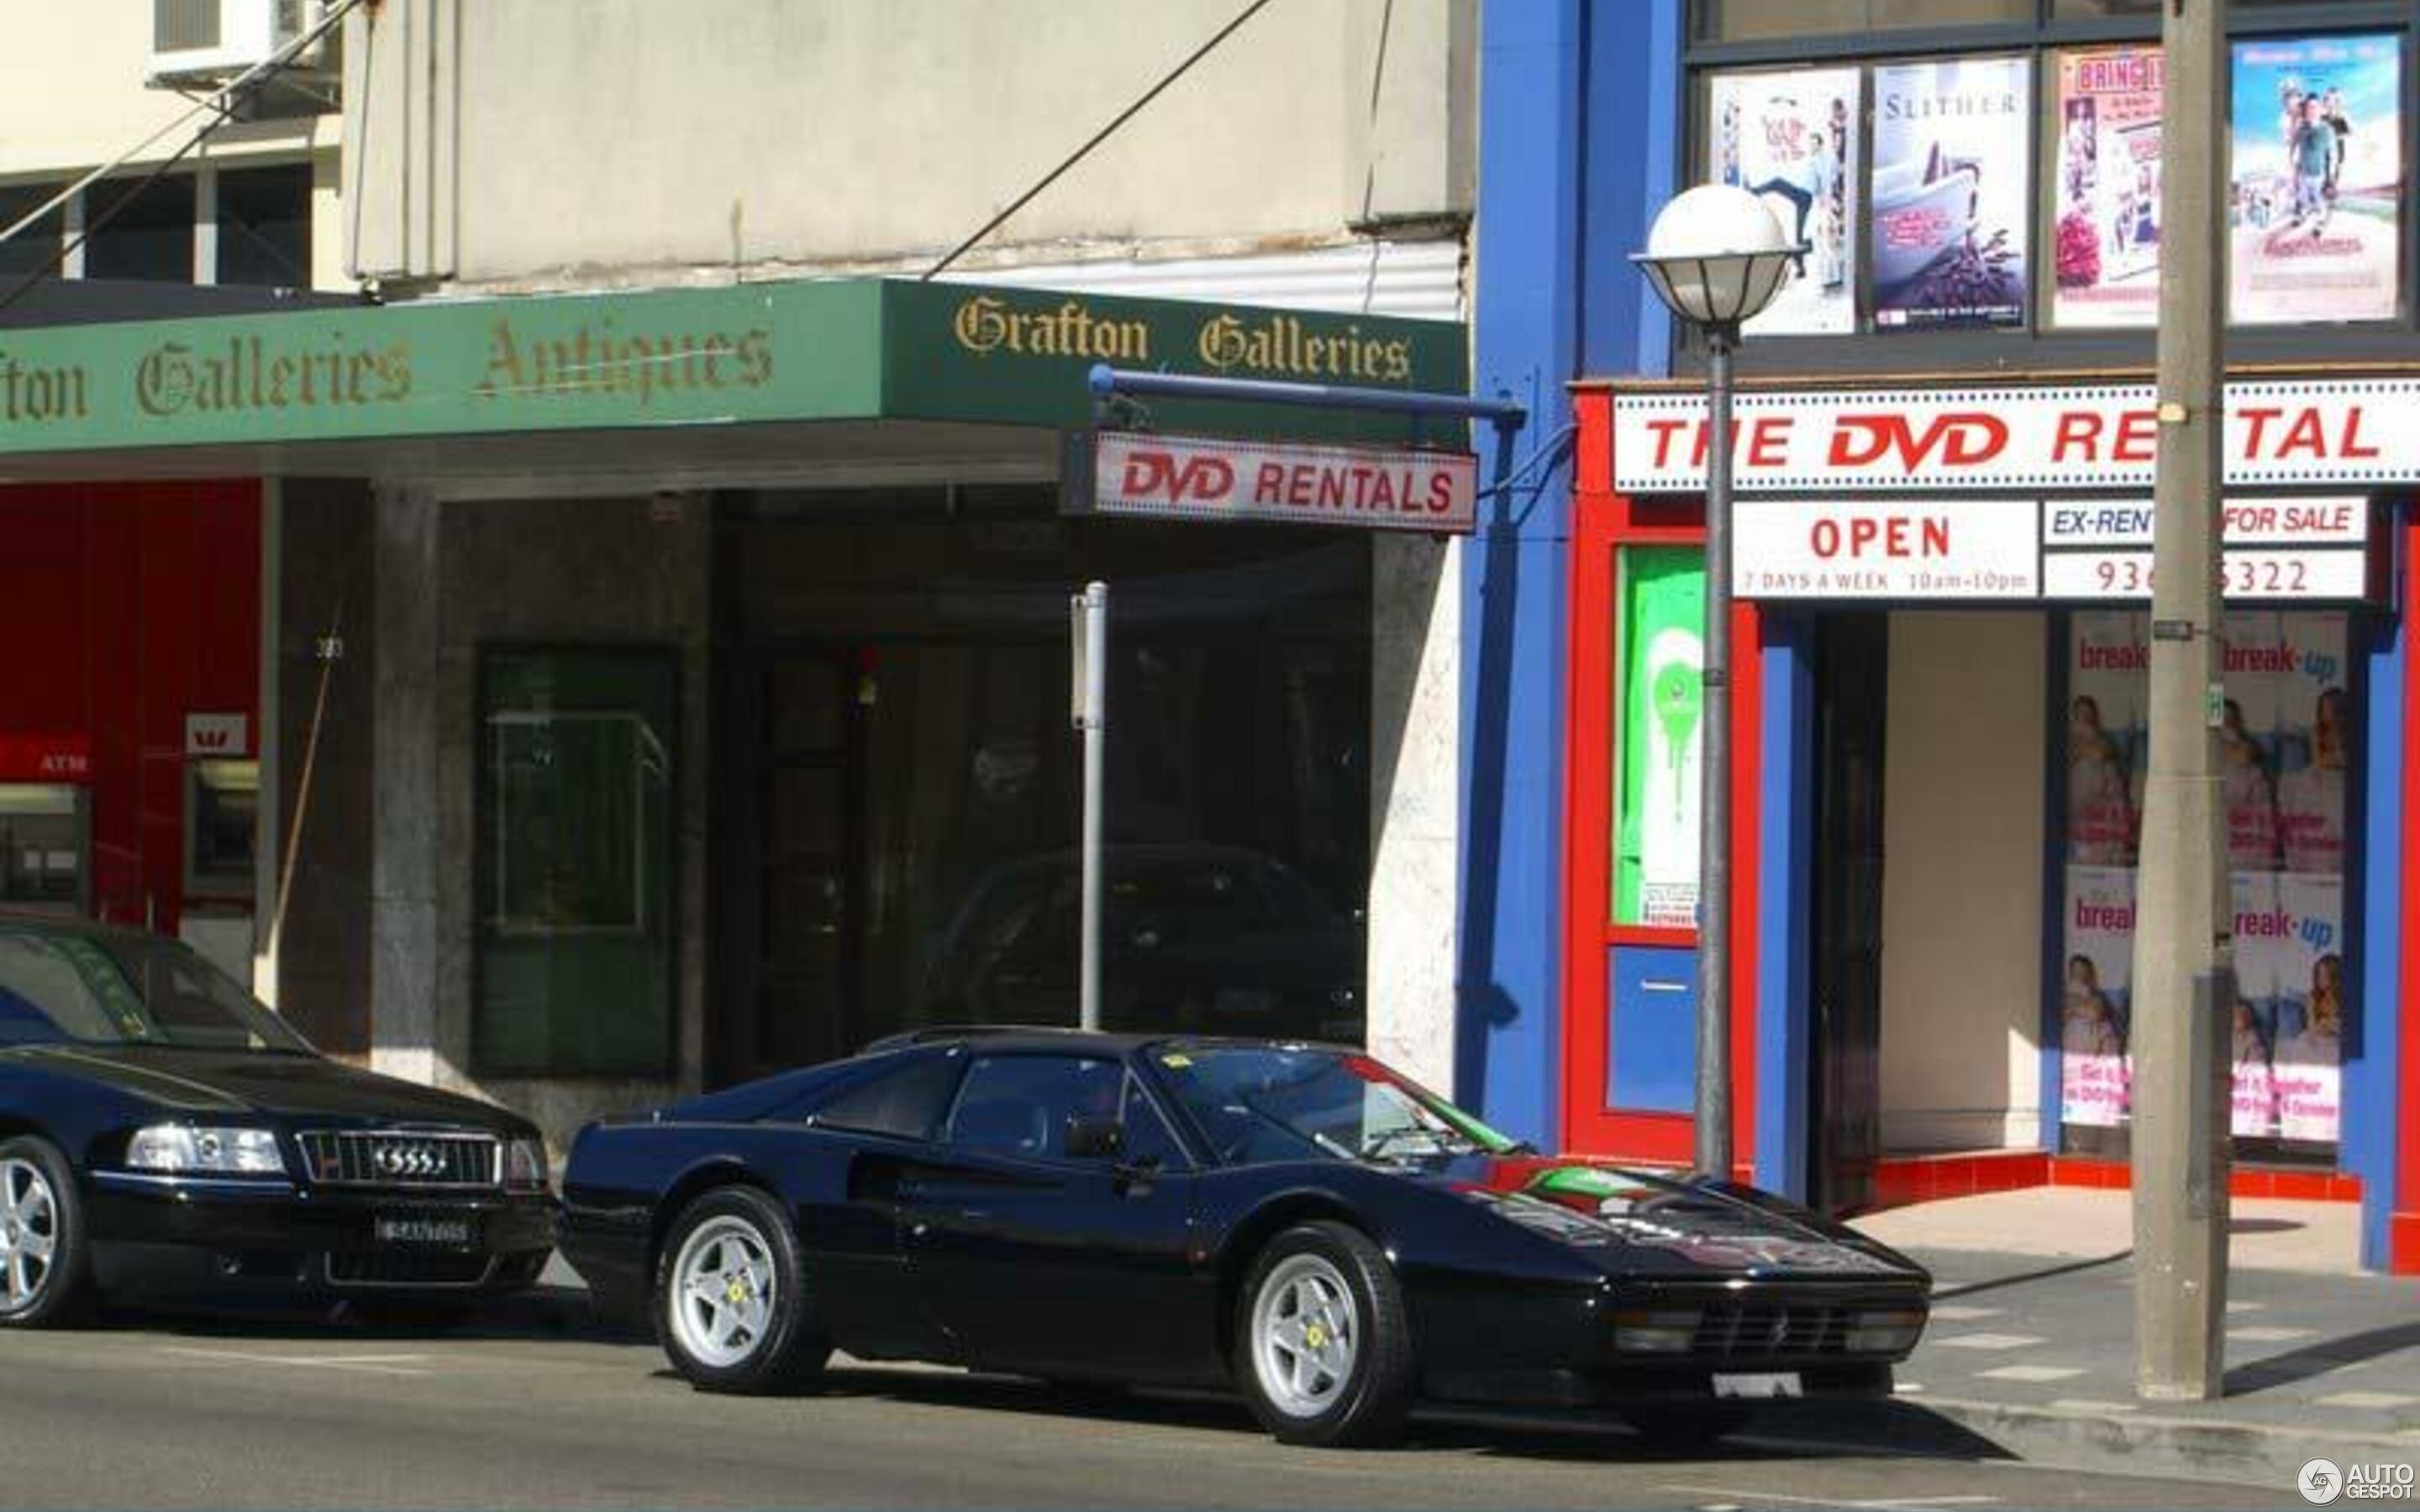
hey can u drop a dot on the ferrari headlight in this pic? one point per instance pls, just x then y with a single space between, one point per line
179 1150
525 1163
1655 1331
1884 1331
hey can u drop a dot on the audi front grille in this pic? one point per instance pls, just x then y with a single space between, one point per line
401 1158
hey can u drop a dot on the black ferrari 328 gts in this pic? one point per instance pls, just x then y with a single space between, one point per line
1297 1220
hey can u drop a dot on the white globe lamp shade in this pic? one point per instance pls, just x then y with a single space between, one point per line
1717 255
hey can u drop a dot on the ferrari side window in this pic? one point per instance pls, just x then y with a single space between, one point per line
905 1103
1022 1105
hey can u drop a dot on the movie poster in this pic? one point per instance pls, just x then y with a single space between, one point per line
2259 946
2100 962
2314 163
1952 155
2285 747
2105 238
2254 662
2310 1008
1791 138
2105 689
2314 744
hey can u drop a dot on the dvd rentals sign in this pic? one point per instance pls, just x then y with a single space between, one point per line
1184 477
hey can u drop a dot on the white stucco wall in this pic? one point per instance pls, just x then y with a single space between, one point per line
537 143
1963 881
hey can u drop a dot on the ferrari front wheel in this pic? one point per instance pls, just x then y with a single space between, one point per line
1324 1349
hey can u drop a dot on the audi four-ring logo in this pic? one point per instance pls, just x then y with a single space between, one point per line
409 1160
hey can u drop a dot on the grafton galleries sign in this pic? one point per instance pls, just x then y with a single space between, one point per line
2037 440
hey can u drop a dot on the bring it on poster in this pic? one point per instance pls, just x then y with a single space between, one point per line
2316 179
1951 160
1791 138
2105 237
2286 743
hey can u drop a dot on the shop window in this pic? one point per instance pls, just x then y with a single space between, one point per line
149 233
577 927
264 225
2288 744
222 811
32 251
1658 700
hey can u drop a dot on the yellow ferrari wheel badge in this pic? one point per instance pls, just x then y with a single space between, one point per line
1316 1337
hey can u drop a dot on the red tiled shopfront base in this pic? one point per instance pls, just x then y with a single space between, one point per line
1899 1181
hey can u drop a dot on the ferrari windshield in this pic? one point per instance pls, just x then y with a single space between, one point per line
1262 1102
64 987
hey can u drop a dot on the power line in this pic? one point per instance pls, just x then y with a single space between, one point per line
1099 137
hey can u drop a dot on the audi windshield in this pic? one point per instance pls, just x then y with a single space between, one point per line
65 988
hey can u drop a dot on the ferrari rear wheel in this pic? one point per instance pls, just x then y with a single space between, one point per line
43 1282
1324 1349
730 1302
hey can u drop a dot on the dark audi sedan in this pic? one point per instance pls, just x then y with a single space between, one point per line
1294 1220
165 1136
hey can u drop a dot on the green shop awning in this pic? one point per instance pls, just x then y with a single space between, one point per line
848 350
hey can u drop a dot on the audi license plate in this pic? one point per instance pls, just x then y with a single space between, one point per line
421 1230
1778 1383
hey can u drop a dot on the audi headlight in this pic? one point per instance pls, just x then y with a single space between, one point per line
1884 1331
179 1150
525 1164
1655 1331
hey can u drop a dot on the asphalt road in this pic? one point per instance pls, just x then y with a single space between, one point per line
197 1414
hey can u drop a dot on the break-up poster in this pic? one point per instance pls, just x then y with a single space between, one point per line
2315 161
2285 744
2099 958
1791 138
1952 147
2105 237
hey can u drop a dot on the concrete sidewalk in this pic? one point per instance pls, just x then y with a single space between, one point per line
2032 1339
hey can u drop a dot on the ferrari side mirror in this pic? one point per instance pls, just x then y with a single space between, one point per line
1096 1138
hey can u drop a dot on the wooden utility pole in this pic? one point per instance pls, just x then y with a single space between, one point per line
2185 952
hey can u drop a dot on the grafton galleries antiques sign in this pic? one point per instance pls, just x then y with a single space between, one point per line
2035 440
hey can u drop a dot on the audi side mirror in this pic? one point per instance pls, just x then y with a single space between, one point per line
1096 1138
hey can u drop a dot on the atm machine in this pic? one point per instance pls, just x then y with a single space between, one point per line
221 818
45 848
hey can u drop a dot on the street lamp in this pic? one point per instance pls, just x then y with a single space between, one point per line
1716 257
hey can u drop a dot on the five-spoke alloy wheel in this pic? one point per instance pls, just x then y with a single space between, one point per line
731 1301
42 1237
1323 1353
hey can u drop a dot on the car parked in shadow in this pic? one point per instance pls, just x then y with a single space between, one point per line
164 1136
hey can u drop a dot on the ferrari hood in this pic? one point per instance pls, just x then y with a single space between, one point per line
1651 1221
196 1082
